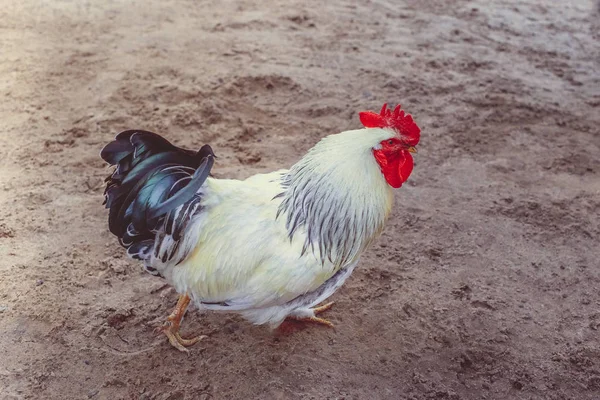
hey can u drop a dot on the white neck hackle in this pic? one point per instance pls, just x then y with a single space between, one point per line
338 196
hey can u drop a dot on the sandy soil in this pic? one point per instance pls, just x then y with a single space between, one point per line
485 284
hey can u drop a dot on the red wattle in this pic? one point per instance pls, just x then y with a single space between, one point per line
395 167
405 166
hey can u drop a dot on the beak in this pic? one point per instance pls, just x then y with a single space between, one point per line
412 149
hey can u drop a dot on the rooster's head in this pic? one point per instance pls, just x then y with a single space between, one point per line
394 153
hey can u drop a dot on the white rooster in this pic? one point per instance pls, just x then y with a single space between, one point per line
270 247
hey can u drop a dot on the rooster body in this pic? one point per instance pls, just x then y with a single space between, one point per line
268 247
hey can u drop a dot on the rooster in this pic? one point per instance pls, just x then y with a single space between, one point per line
269 247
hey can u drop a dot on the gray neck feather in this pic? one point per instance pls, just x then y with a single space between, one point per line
337 224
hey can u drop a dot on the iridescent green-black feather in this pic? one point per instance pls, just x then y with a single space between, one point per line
154 185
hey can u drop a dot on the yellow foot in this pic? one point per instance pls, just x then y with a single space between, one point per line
315 319
171 331
171 326
323 308
320 321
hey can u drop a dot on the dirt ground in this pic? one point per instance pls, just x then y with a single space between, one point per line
485 283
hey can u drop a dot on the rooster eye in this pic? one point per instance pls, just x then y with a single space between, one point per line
391 141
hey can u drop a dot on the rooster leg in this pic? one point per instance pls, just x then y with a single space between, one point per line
310 315
171 326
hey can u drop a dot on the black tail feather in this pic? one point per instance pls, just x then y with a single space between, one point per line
151 179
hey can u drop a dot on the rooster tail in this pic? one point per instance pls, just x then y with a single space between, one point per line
152 178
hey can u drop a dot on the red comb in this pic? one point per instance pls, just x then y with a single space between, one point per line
397 120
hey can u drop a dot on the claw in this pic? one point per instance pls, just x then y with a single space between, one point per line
321 321
314 319
323 308
171 326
